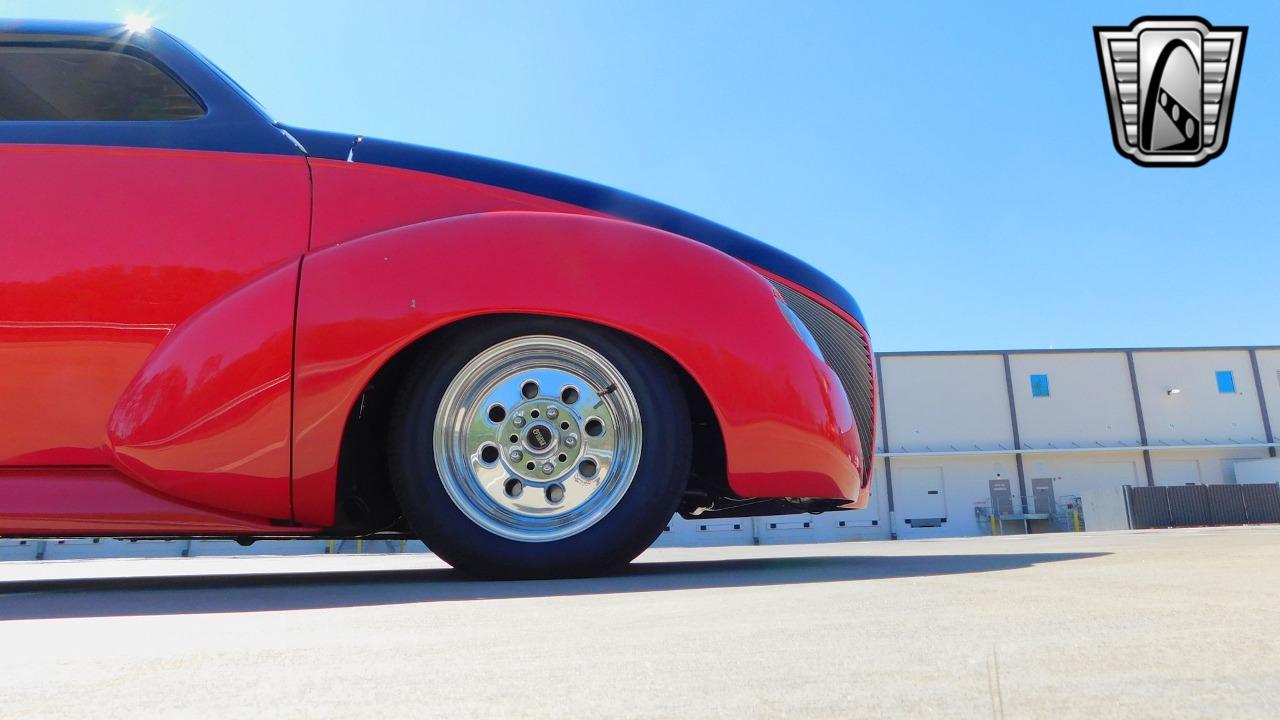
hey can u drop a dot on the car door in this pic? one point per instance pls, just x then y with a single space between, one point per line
138 188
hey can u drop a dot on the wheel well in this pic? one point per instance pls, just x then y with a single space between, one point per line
365 502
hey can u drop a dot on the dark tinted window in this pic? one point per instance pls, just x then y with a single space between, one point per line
66 83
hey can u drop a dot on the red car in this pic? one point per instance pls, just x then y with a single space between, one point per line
215 325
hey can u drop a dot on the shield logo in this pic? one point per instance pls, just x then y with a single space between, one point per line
1170 84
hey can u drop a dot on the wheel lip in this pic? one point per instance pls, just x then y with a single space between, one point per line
465 490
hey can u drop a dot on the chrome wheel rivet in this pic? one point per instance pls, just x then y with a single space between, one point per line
552 413
518 421
515 455
548 468
570 440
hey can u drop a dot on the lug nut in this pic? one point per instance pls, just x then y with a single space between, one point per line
518 421
548 468
552 413
570 440
515 455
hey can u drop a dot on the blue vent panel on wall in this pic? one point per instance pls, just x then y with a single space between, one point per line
1226 381
1039 386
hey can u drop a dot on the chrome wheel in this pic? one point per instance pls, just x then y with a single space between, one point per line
537 438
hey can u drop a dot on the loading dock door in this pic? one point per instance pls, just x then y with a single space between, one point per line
919 497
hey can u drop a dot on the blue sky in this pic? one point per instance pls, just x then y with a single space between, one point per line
951 165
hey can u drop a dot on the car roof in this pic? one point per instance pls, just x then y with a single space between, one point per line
62 27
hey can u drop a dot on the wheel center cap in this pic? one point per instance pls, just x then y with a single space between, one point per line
538 438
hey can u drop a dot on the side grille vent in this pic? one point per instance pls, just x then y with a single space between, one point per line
845 348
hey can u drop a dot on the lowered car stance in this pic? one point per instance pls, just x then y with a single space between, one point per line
215 325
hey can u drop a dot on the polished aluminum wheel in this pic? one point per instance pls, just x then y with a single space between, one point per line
537 438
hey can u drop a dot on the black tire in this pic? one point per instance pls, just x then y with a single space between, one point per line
617 538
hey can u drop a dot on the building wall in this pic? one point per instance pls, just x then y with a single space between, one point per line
1090 400
964 484
1106 416
1198 413
1208 466
1269 379
1077 473
959 403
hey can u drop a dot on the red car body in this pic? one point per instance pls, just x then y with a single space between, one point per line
192 314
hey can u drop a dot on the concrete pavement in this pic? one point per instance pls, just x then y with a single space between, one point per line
1137 624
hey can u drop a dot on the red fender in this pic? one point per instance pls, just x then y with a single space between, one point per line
206 420
788 429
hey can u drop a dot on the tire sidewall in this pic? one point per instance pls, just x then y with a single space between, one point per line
629 527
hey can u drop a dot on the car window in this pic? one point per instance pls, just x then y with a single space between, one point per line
52 83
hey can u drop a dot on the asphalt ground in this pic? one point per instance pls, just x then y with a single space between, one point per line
1162 624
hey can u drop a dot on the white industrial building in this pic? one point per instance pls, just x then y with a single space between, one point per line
957 427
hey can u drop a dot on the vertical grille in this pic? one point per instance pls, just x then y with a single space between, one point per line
846 351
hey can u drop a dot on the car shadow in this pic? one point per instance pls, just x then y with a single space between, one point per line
231 593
